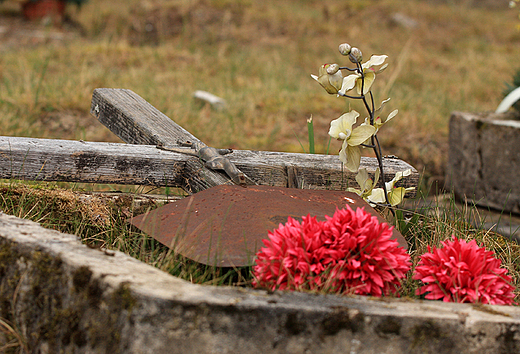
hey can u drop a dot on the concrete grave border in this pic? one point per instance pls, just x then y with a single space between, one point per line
67 298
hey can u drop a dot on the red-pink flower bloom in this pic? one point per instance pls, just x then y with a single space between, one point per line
350 252
462 271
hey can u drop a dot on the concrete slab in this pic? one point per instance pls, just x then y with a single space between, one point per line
67 298
484 159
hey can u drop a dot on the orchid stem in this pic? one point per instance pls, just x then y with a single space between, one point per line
376 146
368 146
379 156
352 97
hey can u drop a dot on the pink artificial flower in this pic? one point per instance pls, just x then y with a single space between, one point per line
350 252
462 271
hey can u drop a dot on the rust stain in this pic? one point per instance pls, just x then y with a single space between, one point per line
224 226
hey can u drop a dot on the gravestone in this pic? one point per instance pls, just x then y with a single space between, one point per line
484 159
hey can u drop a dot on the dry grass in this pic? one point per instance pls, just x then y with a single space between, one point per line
258 56
443 218
100 220
11 339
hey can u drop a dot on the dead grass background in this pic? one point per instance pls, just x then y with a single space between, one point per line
258 56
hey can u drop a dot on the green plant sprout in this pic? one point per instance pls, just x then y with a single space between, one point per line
310 130
357 85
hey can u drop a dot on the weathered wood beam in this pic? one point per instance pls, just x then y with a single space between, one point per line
312 171
136 121
92 162
79 161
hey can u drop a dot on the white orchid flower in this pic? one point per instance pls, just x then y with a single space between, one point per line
395 195
365 183
329 77
342 128
378 121
363 85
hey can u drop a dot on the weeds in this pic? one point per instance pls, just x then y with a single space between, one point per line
12 341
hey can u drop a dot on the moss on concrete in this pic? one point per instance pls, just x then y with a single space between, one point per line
388 326
63 309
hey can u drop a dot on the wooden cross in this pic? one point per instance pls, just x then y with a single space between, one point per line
140 162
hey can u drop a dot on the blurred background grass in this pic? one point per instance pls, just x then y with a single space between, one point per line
258 56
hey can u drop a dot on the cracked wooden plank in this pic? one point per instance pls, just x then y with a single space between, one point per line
88 162
136 121
115 163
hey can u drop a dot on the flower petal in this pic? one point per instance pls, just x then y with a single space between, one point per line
343 124
377 175
366 82
398 176
343 153
396 196
360 134
377 111
363 180
381 69
349 82
330 82
354 190
353 158
391 115
336 80
377 196
374 60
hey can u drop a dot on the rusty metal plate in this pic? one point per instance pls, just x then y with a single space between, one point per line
224 226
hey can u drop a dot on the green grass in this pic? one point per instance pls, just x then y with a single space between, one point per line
258 56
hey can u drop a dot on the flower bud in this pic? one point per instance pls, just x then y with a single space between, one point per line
355 55
332 69
344 48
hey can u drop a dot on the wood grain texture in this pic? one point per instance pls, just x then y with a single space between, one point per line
77 161
312 171
136 121
91 162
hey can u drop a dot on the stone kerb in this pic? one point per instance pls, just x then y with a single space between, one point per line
484 159
67 298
